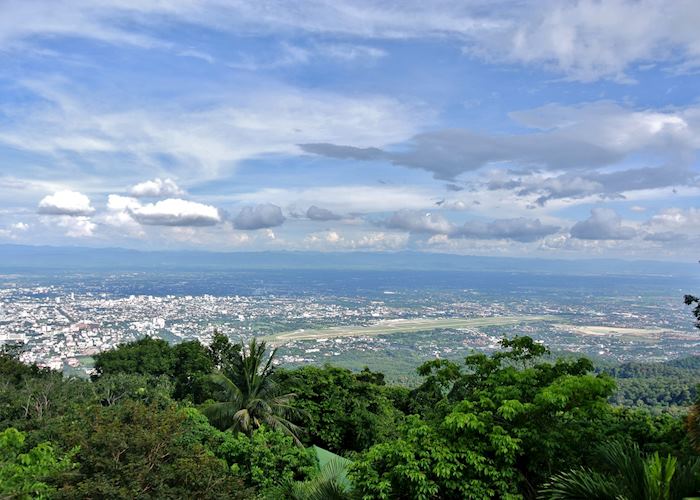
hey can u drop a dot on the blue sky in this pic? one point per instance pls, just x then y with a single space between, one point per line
546 129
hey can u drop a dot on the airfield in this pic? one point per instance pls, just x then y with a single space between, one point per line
391 326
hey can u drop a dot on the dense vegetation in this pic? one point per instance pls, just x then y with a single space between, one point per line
669 386
221 421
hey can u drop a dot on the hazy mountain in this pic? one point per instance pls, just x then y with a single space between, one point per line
46 258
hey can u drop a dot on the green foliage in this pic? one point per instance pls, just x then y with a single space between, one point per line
428 462
147 356
327 484
221 351
13 371
692 424
35 402
346 412
134 450
671 385
249 395
115 388
28 473
497 427
627 474
692 300
663 433
266 459
187 365
191 370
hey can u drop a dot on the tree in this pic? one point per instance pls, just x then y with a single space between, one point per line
147 356
221 350
191 369
692 424
187 365
266 459
627 474
249 396
496 428
118 387
347 412
134 450
26 473
690 300
328 483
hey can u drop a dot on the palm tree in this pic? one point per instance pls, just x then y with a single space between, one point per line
631 476
249 395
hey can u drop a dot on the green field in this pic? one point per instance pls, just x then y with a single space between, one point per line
401 326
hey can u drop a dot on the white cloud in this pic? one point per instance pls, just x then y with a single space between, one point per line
200 141
66 203
588 39
175 212
351 52
156 188
603 224
583 40
673 225
77 227
118 214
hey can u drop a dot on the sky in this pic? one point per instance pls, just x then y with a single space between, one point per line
551 129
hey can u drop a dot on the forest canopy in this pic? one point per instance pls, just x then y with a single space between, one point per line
224 421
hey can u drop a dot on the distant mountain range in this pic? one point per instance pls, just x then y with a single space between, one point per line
16 258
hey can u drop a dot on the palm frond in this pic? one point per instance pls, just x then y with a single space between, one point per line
626 460
686 480
581 484
229 390
221 414
250 396
329 484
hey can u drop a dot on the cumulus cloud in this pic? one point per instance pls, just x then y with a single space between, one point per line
260 216
118 214
156 188
66 202
603 224
321 214
519 229
173 212
415 221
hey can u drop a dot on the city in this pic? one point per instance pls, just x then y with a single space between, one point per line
61 323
